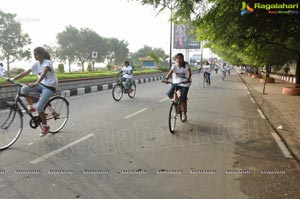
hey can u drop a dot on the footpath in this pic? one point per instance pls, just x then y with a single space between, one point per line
282 111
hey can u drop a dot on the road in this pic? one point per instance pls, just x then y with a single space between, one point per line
123 149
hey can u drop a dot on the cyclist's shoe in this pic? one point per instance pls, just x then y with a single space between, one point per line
45 130
184 117
31 109
130 90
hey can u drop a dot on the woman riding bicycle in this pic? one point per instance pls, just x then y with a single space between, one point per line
46 84
207 71
180 72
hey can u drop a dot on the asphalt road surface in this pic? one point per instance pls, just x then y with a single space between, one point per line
113 150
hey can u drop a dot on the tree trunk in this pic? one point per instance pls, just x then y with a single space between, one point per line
82 64
298 73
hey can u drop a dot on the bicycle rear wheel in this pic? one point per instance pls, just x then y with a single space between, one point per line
223 76
57 113
117 92
205 81
132 93
11 125
172 117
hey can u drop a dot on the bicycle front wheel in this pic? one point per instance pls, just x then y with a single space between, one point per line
132 93
11 122
57 113
117 92
172 117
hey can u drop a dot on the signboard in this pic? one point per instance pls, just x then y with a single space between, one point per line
94 55
184 39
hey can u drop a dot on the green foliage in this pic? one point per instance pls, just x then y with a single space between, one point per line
108 67
61 68
89 68
12 40
157 54
16 71
78 75
78 44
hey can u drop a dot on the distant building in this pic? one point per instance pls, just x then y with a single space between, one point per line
148 62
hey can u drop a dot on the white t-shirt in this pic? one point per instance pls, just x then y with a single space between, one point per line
180 74
206 68
224 68
127 71
50 78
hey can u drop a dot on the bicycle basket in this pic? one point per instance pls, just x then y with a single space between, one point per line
6 103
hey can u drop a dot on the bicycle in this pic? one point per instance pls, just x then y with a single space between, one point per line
119 88
175 108
205 80
223 75
56 111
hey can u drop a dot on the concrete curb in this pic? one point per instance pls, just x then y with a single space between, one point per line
102 87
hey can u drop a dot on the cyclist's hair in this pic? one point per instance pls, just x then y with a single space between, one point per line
41 51
179 55
126 62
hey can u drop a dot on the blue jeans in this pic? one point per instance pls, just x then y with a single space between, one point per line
208 75
184 92
127 82
46 93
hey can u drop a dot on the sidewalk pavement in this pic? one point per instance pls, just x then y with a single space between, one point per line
282 111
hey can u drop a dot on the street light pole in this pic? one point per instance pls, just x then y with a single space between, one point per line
171 33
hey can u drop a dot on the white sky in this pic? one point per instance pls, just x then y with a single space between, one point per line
137 24
129 21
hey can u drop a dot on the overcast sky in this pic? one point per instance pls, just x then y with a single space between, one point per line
137 24
129 21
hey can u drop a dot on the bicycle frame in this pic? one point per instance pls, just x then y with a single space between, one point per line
15 106
56 111
174 106
120 81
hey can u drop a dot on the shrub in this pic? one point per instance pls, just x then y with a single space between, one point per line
16 71
89 68
108 67
61 68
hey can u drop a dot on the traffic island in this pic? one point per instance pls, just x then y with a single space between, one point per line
291 91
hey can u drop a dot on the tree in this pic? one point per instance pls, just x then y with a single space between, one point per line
53 51
158 54
78 45
117 50
61 68
66 45
255 35
12 40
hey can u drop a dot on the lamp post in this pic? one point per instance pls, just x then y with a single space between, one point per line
171 33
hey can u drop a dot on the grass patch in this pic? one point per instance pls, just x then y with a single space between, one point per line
78 75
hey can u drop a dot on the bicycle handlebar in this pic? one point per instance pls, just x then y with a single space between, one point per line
168 82
13 82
